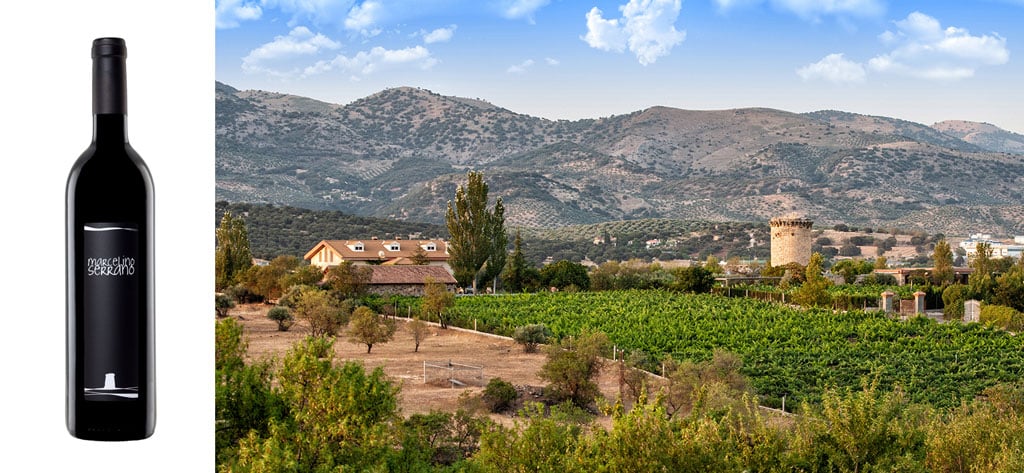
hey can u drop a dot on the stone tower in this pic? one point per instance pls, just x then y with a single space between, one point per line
791 240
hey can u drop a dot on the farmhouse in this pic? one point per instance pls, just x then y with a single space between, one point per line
329 253
408 280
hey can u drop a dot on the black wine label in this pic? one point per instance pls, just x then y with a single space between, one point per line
111 311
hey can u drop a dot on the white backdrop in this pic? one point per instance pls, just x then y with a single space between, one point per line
45 123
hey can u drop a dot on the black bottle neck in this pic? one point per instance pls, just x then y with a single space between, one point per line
109 90
109 84
110 128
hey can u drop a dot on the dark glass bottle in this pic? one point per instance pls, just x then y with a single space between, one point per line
110 353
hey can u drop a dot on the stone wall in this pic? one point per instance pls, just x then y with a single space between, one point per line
401 289
791 240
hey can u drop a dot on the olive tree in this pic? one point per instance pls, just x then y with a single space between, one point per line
369 328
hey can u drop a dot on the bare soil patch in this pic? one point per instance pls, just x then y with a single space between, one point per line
500 357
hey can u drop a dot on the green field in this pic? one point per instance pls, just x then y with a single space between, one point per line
786 352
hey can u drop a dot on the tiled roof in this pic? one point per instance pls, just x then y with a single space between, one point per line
375 250
410 274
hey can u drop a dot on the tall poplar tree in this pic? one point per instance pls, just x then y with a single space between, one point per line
495 263
981 280
943 269
475 231
516 271
982 261
232 255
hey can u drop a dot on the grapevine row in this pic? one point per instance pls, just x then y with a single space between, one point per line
786 351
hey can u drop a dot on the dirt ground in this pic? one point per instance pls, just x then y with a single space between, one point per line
499 356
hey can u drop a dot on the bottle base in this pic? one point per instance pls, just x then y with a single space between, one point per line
110 434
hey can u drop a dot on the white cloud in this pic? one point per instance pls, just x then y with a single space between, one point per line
813 9
920 26
606 35
278 57
367 62
230 13
525 66
833 68
520 68
646 28
363 17
518 9
440 35
888 37
923 48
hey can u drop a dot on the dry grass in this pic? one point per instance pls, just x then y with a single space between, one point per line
499 356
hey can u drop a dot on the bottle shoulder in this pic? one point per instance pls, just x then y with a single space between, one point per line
122 157
109 168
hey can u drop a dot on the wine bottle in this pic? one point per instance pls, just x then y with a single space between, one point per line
110 309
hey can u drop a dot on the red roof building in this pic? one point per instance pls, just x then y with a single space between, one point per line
329 253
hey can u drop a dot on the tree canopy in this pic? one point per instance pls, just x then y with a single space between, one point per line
519 275
476 233
943 256
232 255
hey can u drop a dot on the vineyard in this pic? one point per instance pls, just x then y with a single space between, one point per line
786 351
843 296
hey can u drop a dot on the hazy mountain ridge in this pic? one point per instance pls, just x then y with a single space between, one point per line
984 135
399 153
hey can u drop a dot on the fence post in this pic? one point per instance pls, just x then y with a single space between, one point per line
919 302
887 303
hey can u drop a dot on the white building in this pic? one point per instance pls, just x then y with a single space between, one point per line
1000 248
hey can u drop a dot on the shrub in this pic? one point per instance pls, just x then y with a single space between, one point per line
242 294
222 304
849 249
563 274
290 297
874 279
320 311
953 298
282 316
813 293
1004 317
572 368
530 336
369 328
693 279
499 395
419 331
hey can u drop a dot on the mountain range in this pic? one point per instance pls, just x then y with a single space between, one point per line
401 152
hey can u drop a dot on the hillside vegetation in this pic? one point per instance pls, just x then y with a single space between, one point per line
280 230
400 153
983 135
276 230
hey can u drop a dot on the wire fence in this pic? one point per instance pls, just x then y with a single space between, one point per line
452 374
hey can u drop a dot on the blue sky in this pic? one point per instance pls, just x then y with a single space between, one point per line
918 60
